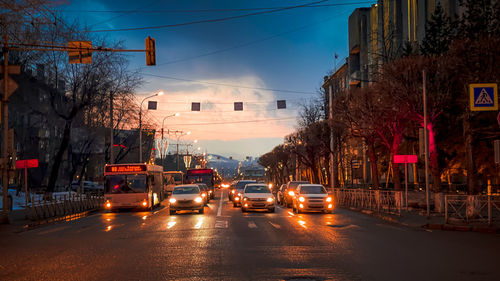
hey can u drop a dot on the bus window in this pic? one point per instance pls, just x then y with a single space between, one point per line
126 184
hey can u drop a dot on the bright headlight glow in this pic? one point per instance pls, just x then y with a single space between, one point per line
198 199
270 199
203 195
302 199
236 198
144 203
232 191
245 199
108 205
172 200
328 199
291 193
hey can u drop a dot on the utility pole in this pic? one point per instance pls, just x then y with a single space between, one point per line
426 148
111 140
5 127
330 113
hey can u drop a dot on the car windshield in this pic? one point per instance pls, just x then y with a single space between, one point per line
294 184
256 189
241 184
186 190
312 189
126 184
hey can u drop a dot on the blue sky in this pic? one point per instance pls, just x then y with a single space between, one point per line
289 50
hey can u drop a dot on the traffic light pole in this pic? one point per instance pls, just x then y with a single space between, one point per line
5 131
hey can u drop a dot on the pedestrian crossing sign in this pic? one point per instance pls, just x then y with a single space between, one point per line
483 97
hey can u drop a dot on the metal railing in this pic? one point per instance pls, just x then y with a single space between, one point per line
61 205
472 208
376 200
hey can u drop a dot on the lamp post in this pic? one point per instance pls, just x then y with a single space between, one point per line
178 138
159 93
162 129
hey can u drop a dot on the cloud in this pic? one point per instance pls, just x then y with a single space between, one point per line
217 113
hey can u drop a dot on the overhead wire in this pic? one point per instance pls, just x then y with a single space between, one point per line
235 122
207 20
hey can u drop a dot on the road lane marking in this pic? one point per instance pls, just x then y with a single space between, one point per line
251 224
199 223
221 224
219 211
171 224
277 226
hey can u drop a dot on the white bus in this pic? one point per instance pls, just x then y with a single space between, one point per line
172 179
133 186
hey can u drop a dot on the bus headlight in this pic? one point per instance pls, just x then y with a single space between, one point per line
328 199
198 199
172 200
291 193
270 199
108 205
302 199
144 203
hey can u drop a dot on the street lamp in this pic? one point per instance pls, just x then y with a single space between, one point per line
178 138
158 93
162 127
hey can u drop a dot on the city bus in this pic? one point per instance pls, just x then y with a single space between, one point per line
205 176
133 186
172 179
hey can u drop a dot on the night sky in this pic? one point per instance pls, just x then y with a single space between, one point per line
218 63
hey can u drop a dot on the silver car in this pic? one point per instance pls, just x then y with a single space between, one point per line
186 197
312 197
257 196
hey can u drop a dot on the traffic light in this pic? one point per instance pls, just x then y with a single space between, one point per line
150 51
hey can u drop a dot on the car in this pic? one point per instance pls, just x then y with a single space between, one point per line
280 194
205 192
238 190
257 196
312 197
186 197
289 193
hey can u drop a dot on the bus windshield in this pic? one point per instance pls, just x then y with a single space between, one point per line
200 178
126 184
173 178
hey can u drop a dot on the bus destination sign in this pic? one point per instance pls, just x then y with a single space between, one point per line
125 168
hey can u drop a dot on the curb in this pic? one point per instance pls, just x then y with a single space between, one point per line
463 228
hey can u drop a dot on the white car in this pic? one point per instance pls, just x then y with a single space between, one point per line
257 196
312 197
186 197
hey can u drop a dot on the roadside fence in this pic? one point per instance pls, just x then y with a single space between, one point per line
376 200
472 208
61 205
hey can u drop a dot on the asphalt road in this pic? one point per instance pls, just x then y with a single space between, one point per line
226 244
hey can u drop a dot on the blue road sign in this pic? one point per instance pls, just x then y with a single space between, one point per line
483 97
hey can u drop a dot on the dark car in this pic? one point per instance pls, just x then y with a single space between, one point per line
205 192
238 190
280 194
290 190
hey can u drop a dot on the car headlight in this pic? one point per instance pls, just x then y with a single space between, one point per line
302 199
245 199
108 204
239 194
172 200
198 199
291 193
270 199
236 198
144 203
328 199
203 195
232 191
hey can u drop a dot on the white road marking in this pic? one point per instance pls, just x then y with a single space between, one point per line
251 224
277 226
221 224
199 223
219 211
171 224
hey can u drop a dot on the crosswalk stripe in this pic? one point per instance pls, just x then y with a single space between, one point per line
221 224
277 226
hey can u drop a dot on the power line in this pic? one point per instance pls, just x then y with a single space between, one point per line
235 122
206 10
209 20
229 85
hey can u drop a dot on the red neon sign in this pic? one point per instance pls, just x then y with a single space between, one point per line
405 159
200 171
125 168
29 163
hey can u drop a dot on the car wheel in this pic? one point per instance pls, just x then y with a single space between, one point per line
172 212
202 210
271 210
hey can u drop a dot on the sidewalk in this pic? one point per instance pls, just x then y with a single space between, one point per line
418 219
